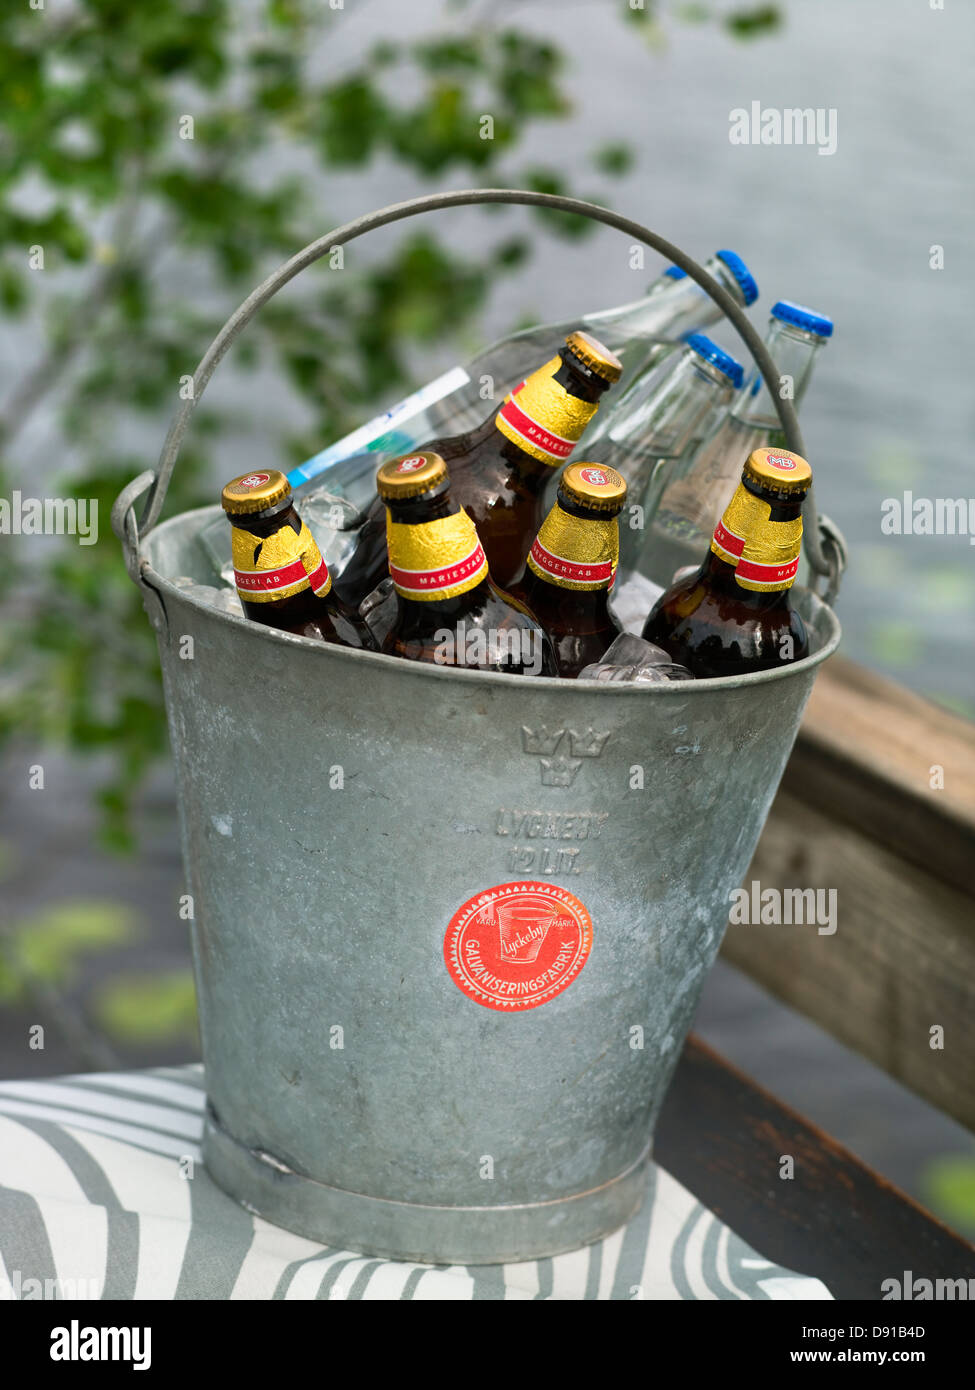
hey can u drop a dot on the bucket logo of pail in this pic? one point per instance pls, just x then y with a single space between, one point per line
558 768
517 945
254 480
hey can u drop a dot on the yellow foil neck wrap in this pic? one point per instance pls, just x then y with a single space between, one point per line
765 553
278 566
436 559
575 552
542 418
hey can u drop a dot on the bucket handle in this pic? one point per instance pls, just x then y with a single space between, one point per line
824 545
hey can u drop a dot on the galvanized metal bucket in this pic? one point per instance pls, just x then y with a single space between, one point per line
366 839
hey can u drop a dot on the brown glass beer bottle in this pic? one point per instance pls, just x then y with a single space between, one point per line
448 610
572 566
498 471
734 614
281 577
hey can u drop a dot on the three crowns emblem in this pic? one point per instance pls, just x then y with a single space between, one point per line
559 769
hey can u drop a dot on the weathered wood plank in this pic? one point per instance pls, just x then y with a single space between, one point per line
722 1137
901 961
870 752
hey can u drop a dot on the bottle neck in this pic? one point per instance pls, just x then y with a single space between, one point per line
276 557
671 308
756 543
794 353
659 414
435 556
545 416
576 551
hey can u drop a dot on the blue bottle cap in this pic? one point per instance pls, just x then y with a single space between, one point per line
675 272
717 356
742 275
801 317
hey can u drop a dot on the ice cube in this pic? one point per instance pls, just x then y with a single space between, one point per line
379 610
628 650
629 658
639 675
662 671
333 521
324 509
225 600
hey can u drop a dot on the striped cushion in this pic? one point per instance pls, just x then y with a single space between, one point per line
103 1195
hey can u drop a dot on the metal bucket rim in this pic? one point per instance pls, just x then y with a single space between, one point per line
153 579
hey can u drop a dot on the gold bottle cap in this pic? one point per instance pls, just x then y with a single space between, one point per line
254 492
778 471
410 476
594 486
595 355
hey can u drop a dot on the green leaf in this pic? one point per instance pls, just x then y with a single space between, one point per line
754 23
50 945
352 118
895 643
511 254
13 290
692 13
463 52
147 1008
614 159
949 1185
570 225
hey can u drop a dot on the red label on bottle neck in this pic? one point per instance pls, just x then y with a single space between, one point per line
590 573
729 544
534 433
426 583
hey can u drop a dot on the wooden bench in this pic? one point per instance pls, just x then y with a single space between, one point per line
878 803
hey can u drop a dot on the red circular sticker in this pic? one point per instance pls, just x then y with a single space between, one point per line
517 945
255 480
596 476
780 460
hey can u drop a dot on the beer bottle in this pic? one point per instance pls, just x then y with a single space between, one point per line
448 610
281 578
734 614
498 471
572 565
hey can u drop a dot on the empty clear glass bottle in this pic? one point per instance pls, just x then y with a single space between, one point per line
653 423
706 475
